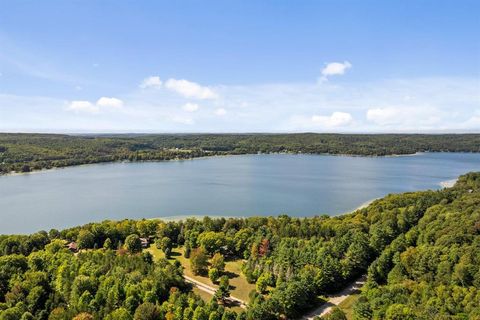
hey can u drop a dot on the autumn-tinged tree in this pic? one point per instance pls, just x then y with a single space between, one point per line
199 261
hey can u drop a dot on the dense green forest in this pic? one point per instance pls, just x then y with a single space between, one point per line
421 251
431 271
26 152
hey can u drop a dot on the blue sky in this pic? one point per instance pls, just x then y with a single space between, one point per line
240 66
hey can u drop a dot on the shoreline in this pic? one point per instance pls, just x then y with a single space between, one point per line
448 183
200 217
18 173
363 205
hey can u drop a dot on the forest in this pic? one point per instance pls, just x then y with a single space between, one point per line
419 250
28 152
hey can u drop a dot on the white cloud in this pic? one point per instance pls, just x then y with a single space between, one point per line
83 106
336 119
151 82
335 68
190 89
220 112
190 107
434 105
101 104
406 117
106 102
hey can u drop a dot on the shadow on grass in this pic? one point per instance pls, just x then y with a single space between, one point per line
317 303
230 303
230 275
175 254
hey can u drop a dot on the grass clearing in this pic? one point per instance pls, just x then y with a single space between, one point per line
347 305
204 295
240 287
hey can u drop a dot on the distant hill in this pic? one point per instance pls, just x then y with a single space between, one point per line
27 152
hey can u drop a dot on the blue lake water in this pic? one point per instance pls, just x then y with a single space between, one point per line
298 185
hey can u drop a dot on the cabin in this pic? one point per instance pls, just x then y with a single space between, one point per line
72 246
145 242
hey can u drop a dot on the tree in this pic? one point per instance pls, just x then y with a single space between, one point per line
199 261
108 244
399 312
119 314
83 316
212 241
133 243
147 311
85 239
27 316
335 314
218 262
11 314
200 314
188 250
229 315
223 291
165 243
213 274
263 281
242 240
264 247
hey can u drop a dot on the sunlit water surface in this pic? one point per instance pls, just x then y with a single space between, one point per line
298 185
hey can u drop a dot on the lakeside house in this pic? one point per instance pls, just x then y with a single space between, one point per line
72 246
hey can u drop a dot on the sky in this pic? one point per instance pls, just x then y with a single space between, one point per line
240 66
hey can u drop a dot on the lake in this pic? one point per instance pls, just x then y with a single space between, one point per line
298 185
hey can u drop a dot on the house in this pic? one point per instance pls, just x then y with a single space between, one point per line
145 242
72 246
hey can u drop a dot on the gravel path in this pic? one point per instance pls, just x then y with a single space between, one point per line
211 290
335 299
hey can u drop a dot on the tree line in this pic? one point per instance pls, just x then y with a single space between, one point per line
27 152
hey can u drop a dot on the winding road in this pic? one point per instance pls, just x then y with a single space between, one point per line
323 309
211 290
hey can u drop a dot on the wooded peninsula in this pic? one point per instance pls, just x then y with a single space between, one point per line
29 152
419 250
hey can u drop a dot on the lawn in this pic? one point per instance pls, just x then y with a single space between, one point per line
240 288
347 305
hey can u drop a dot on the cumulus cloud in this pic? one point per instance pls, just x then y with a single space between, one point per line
83 106
335 68
392 105
151 82
101 104
190 107
220 112
190 89
106 102
336 119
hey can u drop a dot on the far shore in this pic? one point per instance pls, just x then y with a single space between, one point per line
19 173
